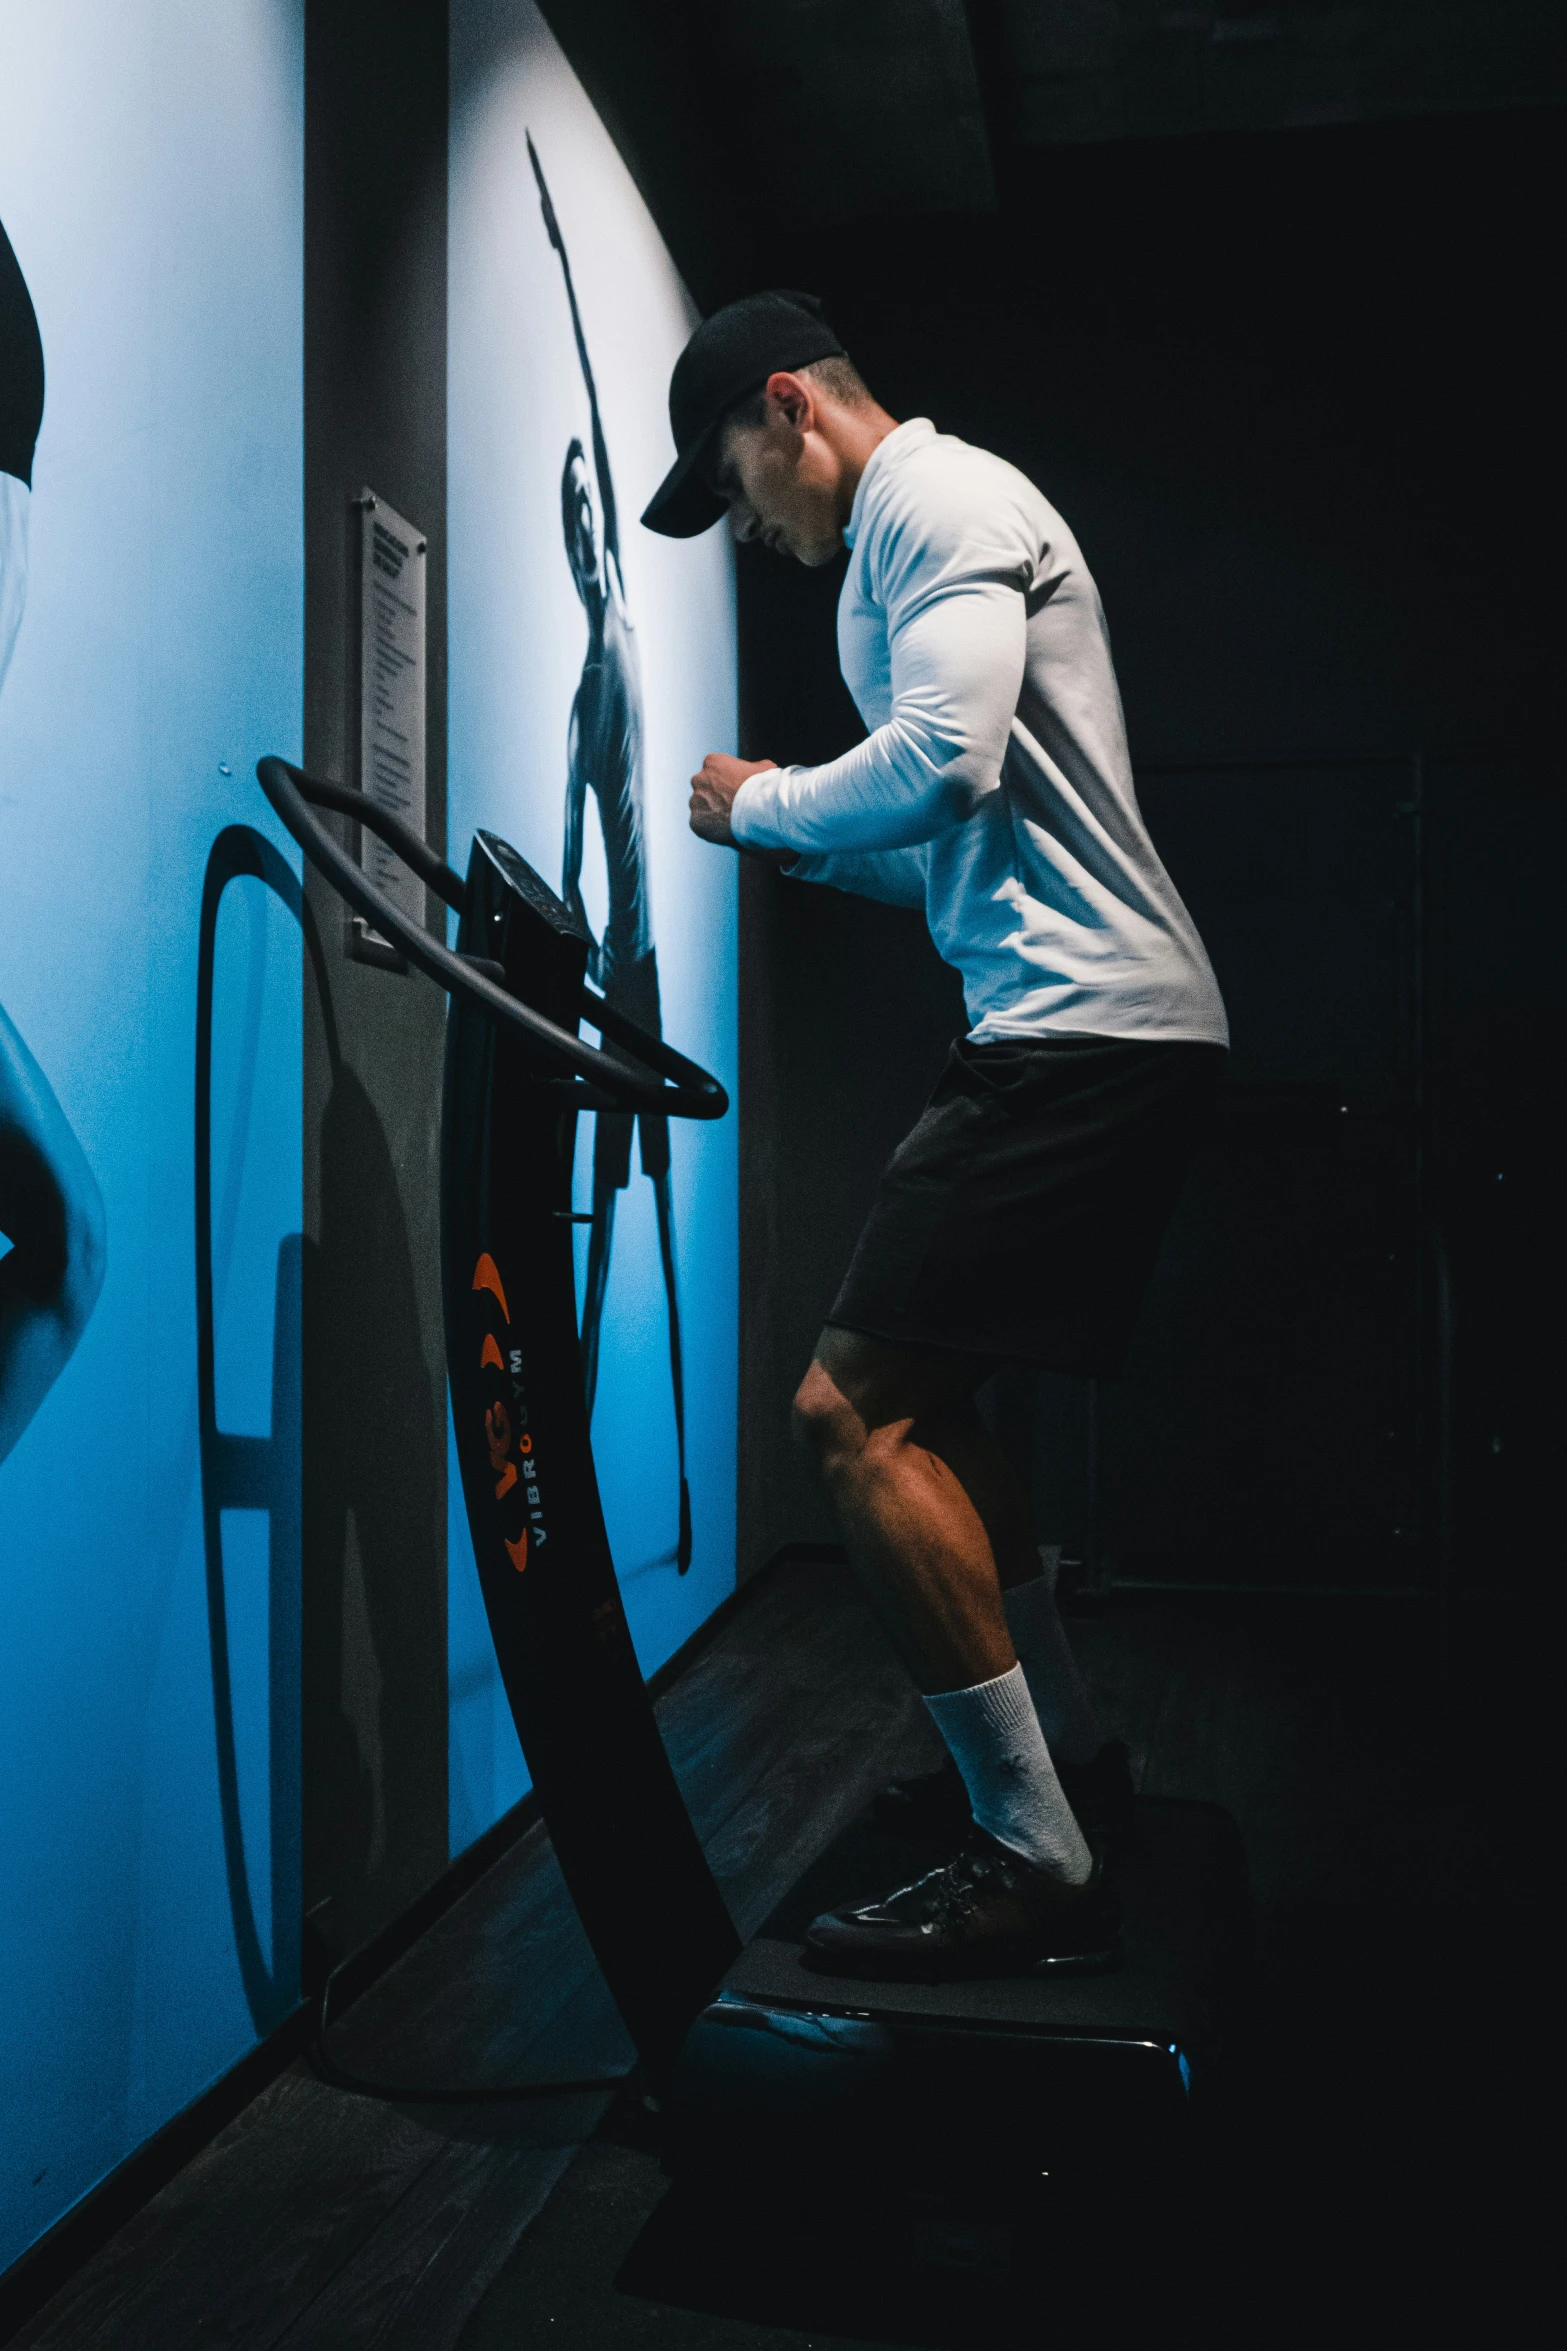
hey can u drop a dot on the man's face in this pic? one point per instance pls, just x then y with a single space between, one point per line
783 485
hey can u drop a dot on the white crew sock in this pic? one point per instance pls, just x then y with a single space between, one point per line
1066 1711
996 1742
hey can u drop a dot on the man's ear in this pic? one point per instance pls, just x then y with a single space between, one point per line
791 396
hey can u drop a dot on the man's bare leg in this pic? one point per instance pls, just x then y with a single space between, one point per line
893 1428
1062 1699
888 1424
987 1476
959 1438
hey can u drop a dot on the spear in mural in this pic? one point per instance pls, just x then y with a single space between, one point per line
600 447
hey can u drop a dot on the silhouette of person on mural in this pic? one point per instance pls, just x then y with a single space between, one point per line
51 1211
604 755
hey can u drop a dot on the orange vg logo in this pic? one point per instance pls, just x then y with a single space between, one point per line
508 1441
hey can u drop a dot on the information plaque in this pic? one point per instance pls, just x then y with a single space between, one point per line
392 556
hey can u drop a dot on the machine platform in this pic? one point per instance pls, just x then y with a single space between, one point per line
1071 2068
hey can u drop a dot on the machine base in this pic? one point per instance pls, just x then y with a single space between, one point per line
982 2078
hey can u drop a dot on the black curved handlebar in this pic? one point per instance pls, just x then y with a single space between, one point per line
561 1055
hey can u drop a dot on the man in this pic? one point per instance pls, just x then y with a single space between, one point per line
604 756
1019 1220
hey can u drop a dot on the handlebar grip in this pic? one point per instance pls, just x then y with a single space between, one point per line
410 846
556 1052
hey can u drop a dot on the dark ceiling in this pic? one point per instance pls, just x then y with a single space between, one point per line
800 115
897 107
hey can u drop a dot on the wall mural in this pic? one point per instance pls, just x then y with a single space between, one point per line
151 519
51 1210
586 653
604 755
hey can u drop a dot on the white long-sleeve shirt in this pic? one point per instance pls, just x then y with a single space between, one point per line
994 788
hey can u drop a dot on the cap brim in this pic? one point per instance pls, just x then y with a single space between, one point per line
683 506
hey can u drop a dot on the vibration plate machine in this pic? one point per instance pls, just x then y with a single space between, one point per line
744 2049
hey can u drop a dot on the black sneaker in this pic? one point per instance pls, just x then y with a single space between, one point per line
935 1805
987 1912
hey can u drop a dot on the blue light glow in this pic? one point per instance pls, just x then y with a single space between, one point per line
151 184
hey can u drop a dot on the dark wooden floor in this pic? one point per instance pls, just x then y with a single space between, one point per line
1374 2171
1390 1829
321 2221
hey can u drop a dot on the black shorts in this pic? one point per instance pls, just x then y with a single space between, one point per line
1021 1217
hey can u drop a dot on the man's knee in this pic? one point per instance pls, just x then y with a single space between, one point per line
882 1386
850 1413
825 1422
849 1393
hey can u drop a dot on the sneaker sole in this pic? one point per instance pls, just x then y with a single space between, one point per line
960 1967
1104 1961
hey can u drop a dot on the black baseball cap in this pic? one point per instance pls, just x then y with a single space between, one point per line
732 353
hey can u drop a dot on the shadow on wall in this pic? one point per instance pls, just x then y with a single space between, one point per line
259 1474
381 1666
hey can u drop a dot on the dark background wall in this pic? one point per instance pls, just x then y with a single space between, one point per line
1289 390
375 1754
1259 300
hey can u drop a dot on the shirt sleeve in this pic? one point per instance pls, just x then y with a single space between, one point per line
957 642
895 876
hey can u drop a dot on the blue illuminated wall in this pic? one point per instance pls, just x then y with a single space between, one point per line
519 631
150 184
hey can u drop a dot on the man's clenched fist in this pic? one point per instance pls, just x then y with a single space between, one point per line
712 794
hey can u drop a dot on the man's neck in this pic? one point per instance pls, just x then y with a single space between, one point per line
857 433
